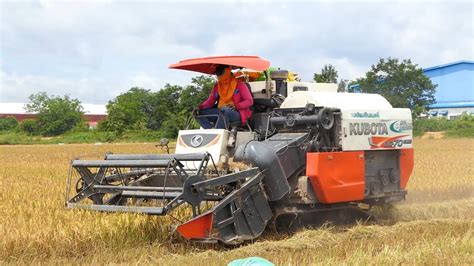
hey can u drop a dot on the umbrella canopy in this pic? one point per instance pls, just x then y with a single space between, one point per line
207 65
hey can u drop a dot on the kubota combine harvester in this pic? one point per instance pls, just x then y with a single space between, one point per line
306 149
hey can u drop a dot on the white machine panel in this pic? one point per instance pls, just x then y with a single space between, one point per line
213 141
293 86
341 101
258 86
376 129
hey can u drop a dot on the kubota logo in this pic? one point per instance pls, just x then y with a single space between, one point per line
400 126
368 129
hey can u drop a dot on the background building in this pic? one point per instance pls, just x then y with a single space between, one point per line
455 91
93 113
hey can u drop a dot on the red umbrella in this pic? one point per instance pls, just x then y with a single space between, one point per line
207 65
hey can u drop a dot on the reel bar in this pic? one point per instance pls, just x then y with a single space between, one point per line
138 188
116 208
149 194
120 163
180 157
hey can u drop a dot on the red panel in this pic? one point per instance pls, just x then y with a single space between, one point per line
19 117
197 228
406 166
337 176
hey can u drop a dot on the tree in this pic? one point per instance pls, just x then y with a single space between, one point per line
342 86
8 123
56 115
403 84
328 75
194 94
127 111
172 105
163 105
166 110
204 85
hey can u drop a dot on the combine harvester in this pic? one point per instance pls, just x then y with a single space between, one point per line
306 150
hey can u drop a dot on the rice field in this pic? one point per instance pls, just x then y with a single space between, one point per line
434 226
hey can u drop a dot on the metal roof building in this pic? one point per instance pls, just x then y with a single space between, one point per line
455 91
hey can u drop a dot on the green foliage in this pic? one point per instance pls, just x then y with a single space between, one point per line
350 84
8 123
56 115
91 136
342 86
13 138
403 84
30 126
201 87
460 133
127 111
420 126
165 110
140 136
163 105
462 127
80 127
328 75
458 127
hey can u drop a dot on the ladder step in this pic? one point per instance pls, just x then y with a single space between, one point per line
114 208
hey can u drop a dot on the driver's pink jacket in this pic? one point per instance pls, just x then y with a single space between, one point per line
242 100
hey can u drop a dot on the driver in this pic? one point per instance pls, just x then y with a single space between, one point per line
230 99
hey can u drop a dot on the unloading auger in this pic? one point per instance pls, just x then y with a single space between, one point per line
306 150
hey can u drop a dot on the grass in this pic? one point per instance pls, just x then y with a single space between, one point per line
93 136
434 226
460 127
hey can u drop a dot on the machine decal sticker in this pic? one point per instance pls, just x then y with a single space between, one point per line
400 126
196 140
377 142
365 115
368 129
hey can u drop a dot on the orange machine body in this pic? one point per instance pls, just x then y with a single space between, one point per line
340 176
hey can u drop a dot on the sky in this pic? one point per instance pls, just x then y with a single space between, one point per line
96 50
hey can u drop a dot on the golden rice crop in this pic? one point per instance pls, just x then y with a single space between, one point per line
435 225
444 169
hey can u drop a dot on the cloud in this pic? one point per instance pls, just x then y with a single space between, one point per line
17 88
145 80
95 50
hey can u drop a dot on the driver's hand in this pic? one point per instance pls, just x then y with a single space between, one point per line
231 107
